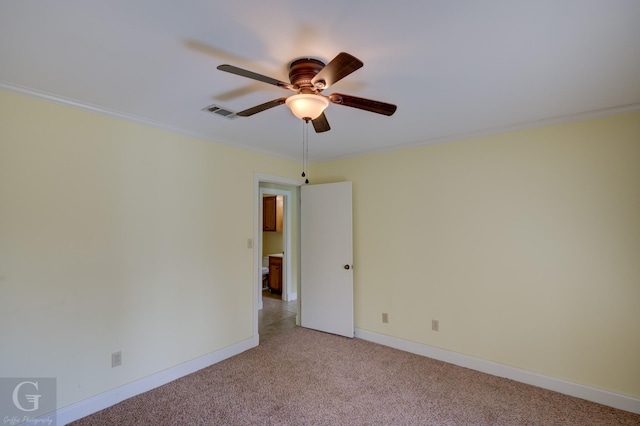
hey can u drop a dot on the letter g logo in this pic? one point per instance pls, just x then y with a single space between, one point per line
34 399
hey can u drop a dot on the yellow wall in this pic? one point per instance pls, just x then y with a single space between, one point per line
118 236
272 243
525 246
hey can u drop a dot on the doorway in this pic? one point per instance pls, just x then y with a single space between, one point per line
275 313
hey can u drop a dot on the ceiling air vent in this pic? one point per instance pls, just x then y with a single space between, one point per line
222 112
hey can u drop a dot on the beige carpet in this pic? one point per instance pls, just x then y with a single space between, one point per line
304 377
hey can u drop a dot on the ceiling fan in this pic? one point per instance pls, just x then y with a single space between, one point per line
308 77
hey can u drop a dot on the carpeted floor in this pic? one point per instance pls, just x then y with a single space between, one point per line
305 377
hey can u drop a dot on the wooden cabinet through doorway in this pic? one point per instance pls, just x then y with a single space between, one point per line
275 274
272 207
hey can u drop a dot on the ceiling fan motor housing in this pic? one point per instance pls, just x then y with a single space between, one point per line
302 71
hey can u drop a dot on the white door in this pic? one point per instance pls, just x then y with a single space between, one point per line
326 258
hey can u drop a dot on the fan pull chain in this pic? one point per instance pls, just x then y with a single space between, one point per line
303 165
305 149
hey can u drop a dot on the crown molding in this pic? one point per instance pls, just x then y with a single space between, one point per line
544 122
535 124
60 100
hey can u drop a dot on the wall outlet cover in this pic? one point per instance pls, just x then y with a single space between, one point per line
116 359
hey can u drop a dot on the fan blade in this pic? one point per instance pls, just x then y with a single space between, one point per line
361 103
259 108
339 67
320 124
255 76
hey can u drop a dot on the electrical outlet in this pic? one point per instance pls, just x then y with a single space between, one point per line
435 325
116 359
385 317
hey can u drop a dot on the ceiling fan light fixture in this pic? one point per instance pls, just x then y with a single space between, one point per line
307 106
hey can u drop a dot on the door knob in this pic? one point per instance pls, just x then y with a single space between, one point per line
347 267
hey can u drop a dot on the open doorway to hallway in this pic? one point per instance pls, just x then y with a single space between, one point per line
276 256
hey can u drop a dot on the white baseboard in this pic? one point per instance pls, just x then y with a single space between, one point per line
611 399
107 399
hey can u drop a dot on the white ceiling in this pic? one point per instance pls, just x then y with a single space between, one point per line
454 68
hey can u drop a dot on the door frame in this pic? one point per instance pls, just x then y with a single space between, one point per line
286 238
259 178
